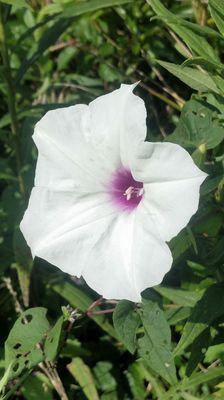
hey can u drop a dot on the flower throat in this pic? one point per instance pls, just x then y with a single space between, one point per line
125 191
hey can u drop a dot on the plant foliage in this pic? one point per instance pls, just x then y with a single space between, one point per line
58 339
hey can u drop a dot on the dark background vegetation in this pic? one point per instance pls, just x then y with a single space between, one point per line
52 55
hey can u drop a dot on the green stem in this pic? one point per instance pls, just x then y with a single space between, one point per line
11 100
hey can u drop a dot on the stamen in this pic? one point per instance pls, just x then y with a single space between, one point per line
133 192
126 193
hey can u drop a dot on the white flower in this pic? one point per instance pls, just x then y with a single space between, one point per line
105 201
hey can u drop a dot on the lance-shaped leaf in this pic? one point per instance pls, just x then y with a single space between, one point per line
53 340
186 298
197 80
188 32
50 36
207 310
82 374
217 12
198 348
72 9
17 3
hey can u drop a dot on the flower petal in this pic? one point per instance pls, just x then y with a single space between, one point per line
128 259
163 162
118 122
61 227
172 204
171 185
64 161
151 256
118 255
81 146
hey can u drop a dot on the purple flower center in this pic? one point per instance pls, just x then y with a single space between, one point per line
125 192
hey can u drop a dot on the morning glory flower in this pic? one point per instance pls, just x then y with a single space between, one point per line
105 202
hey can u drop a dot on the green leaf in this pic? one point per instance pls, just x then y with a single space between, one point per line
37 387
198 125
198 348
109 73
21 345
74 348
53 340
82 374
78 299
209 65
210 225
17 3
12 205
170 18
49 37
218 4
181 297
109 396
174 316
192 77
103 372
219 83
217 253
136 380
180 244
217 13
4 380
214 352
188 32
194 381
6 172
187 396
126 322
155 345
210 185
73 10
202 377
195 42
199 158
204 313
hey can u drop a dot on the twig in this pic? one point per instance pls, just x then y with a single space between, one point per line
202 368
180 43
101 312
95 304
167 88
55 379
214 364
184 47
8 284
62 45
160 96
